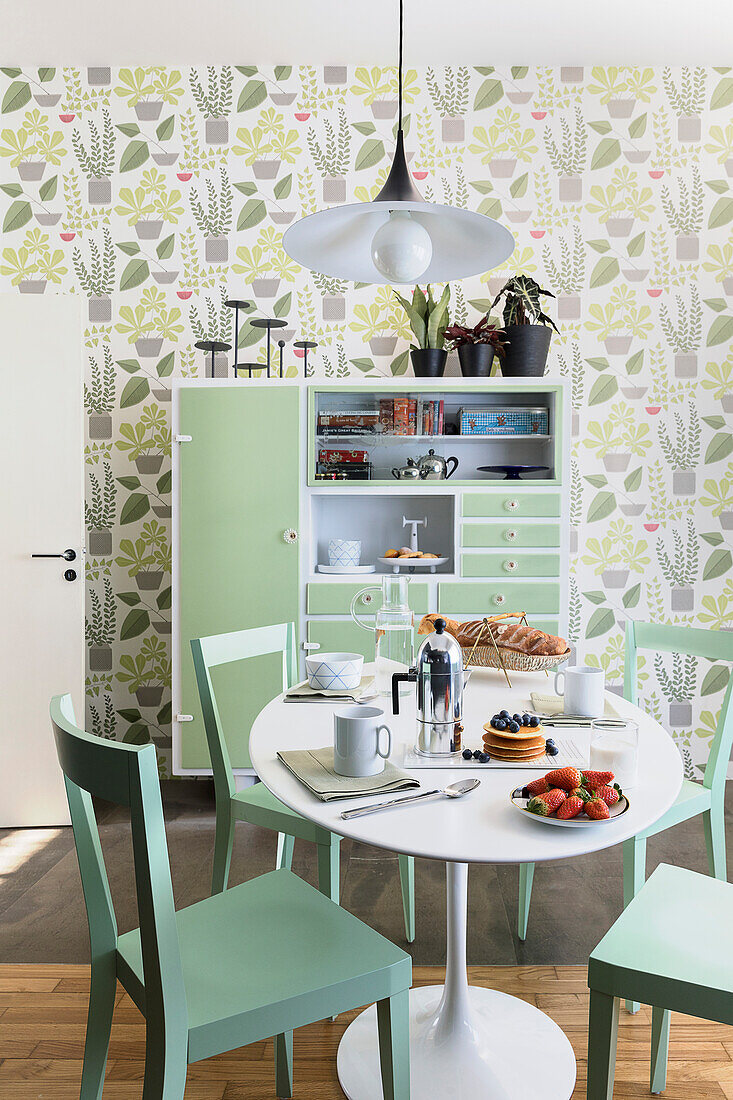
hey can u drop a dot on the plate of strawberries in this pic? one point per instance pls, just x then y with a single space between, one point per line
569 796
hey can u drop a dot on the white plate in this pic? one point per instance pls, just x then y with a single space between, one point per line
581 822
412 563
346 568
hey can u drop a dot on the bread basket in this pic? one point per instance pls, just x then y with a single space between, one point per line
490 654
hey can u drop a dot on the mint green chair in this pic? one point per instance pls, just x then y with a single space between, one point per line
669 949
255 804
252 962
707 798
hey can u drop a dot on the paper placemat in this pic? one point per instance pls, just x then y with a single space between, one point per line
304 693
553 704
573 753
314 769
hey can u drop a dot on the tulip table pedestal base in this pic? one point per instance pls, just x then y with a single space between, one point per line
466 1042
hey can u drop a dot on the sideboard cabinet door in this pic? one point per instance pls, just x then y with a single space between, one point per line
238 494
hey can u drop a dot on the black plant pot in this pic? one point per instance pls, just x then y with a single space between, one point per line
428 362
476 360
526 353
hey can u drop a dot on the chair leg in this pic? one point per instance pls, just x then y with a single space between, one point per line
393 1024
602 1036
99 1023
284 1065
329 860
713 821
660 1049
526 877
634 862
223 841
285 845
407 885
165 1062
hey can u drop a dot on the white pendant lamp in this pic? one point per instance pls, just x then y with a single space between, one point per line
398 237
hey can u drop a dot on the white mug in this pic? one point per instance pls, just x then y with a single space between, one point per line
582 690
356 737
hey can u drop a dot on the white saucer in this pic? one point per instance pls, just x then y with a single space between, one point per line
346 568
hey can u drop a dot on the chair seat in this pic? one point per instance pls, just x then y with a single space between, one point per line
670 946
691 801
269 956
258 806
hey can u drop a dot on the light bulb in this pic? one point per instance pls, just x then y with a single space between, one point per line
401 248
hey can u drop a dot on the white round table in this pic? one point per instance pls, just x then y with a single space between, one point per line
466 1041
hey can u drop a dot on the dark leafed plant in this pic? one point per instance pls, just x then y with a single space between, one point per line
482 333
428 318
522 305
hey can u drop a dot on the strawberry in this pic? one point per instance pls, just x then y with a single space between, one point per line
571 807
551 799
538 806
567 778
538 786
579 792
591 780
596 809
609 795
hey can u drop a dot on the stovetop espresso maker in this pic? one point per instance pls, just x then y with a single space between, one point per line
438 674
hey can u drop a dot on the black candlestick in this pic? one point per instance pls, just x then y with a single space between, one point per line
305 345
269 323
213 346
236 304
249 367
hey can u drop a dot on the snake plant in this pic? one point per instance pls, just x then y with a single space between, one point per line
428 318
522 304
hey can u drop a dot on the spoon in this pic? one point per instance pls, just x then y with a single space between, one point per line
453 790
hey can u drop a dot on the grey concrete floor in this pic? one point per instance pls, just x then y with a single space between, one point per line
42 917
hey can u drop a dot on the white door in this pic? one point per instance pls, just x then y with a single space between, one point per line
41 611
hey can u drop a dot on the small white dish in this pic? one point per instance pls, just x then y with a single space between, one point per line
353 569
334 671
581 822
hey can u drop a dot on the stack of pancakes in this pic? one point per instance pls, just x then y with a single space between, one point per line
526 744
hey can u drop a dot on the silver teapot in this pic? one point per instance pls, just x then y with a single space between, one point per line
409 472
439 676
434 467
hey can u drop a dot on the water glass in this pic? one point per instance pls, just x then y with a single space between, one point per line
616 749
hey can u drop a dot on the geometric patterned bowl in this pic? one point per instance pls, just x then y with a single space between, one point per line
334 671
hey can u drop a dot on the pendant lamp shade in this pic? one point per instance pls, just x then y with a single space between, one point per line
398 238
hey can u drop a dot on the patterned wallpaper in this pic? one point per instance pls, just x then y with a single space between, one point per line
156 193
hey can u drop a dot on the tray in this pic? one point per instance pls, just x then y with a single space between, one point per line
574 753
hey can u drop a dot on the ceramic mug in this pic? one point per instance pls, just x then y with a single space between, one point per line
344 551
356 735
583 690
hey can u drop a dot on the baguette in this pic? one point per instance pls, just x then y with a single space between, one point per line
517 637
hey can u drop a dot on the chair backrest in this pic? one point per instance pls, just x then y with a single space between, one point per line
128 776
715 645
222 649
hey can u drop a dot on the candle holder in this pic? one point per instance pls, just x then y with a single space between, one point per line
236 304
249 368
305 346
212 346
268 323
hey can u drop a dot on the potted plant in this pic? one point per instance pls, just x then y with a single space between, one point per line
526 327
100 628
97 278
215 102
99 396
680 569
476 346
214 219
99 513
428 321
147 673
97 162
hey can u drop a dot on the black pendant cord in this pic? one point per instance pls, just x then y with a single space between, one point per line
399 74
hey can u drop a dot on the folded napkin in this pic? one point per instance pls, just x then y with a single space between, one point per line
304 693
553 704
314 768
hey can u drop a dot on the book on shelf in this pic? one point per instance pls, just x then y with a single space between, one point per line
410 416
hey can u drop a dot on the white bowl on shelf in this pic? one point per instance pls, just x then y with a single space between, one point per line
334 671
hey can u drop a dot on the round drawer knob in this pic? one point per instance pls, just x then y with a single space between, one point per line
499 599
367 597
510 566
510 536
511 505
290 535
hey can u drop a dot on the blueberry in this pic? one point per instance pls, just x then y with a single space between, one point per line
517 717
484 758
552 750
534 720
476 754
504 714
525 719
467 754
513 727
549 742
500 724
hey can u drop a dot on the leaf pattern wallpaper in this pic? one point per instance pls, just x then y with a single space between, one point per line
157 193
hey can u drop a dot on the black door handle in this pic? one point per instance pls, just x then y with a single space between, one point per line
68 555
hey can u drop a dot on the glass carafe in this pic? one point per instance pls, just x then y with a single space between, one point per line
392 628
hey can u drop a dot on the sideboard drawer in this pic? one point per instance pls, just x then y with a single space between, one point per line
334 598
491 597
509 564
511 502
344 636
510 534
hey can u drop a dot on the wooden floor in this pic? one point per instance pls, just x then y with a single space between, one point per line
43 1014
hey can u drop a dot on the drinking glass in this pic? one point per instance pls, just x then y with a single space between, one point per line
615 749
